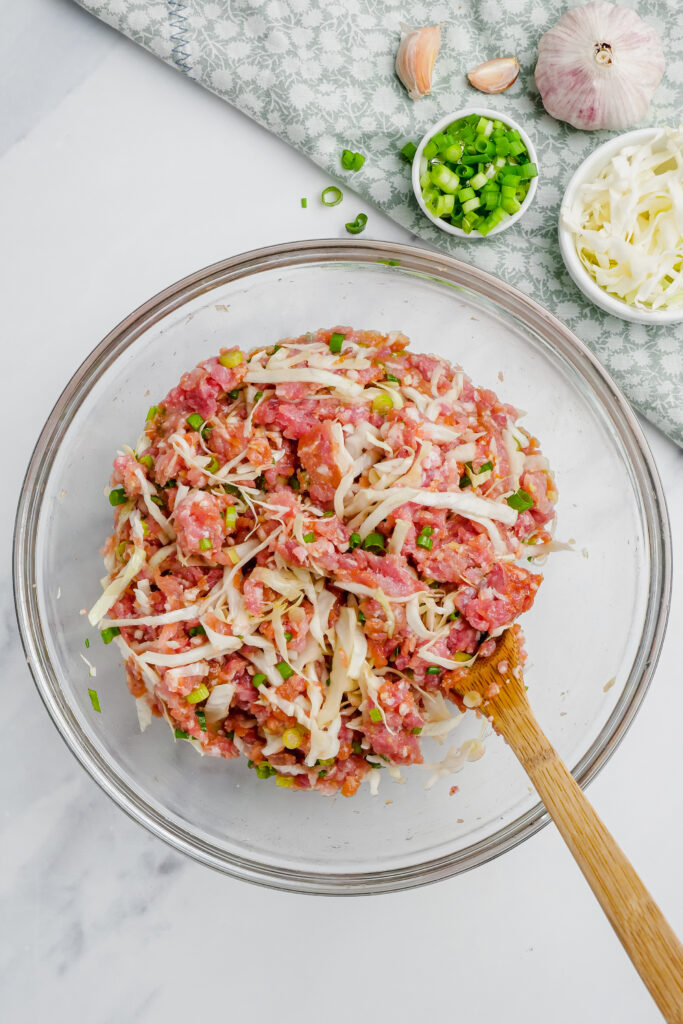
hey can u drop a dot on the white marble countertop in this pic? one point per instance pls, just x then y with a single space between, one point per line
117 177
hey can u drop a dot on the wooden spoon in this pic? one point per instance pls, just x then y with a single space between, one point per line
494 686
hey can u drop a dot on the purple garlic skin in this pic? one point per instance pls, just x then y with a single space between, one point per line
599 67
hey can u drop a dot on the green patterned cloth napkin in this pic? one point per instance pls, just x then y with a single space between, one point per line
320 75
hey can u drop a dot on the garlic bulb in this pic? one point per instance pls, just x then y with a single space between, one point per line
599 66
417 53
495 75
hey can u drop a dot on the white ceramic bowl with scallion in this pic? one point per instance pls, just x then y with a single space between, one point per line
582 278
492 115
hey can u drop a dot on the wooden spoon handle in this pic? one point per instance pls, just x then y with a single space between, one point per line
643 930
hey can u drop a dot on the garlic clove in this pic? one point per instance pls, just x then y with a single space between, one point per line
495 75
417 53
599 66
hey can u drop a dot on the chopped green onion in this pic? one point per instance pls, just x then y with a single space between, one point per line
284 781
354 541
336 341
424 542
521 500
309 537
373 540
408 151
199 693
265 770
94 700
352 161
356 747
293 482
284 669
231 359
180 734
354 227
328 514
205 544
259 679
360 617
434 670
375 715
230 516
453 616
444 179
235 393
427 530
196 631
462 656
331 196
118 496
416 730
157 500
195 421
213 466
382 403
511 206
529 171
146 460
292 738
304 203
485 467
109 633
151 413
288 636
230 735
87 642
322 774
394 380
201 718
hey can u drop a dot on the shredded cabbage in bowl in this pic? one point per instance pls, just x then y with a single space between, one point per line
627 224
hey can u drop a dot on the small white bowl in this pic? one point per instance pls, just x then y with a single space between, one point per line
494 115
588 171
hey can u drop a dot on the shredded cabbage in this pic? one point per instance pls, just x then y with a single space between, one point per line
628 223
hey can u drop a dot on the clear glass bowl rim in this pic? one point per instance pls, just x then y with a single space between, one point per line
295 254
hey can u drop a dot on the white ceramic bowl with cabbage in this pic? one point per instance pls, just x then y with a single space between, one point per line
637 282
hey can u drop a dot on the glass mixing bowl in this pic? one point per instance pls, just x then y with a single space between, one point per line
593 635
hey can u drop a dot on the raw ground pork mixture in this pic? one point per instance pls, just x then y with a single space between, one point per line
311 542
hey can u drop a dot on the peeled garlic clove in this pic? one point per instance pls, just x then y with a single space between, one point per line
495 75
417 53
599 66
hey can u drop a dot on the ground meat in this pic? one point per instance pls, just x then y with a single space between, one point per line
263 589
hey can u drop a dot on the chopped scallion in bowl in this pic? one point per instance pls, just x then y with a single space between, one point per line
474 173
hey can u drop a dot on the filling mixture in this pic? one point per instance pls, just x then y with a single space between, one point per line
310 543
